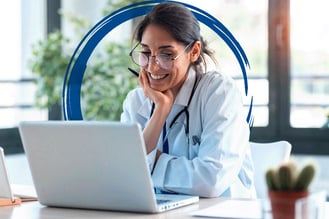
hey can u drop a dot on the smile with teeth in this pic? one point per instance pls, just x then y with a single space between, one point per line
157 77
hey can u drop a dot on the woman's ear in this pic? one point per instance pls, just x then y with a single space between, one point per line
195 51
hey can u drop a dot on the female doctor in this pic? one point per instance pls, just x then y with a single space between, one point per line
194 128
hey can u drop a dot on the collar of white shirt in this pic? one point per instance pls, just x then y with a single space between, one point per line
184 94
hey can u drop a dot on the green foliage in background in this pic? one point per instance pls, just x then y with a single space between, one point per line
106 83
48 63
106 80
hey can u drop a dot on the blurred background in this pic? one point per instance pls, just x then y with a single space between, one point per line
285 42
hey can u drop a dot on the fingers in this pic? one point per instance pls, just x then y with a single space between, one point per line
160 98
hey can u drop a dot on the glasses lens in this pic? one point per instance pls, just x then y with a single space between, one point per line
165 61
139 58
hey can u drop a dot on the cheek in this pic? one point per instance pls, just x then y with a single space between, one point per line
182 68
178 76
179 71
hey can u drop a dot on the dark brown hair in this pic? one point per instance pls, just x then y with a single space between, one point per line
182 25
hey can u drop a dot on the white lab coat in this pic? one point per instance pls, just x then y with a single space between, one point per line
215 160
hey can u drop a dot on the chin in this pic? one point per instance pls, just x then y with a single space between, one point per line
159 88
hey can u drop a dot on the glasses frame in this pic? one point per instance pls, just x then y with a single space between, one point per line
156 57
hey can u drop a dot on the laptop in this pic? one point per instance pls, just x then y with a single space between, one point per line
5 191
93 165
12 194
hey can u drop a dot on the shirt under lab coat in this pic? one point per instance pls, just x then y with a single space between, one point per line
215 159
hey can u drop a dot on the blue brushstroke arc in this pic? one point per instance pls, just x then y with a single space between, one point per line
78 62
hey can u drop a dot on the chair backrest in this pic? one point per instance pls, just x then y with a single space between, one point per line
266 155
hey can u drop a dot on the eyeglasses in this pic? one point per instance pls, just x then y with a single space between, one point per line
165 61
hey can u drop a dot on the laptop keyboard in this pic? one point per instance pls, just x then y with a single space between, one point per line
162 201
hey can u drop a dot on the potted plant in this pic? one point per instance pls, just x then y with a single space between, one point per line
286 185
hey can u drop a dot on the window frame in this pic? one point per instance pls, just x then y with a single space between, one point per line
10 137
303 140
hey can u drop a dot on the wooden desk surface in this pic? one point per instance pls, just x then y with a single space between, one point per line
34 210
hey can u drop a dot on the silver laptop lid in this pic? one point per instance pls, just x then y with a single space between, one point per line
5 189
84 164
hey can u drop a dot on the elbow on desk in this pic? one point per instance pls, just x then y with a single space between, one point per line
217 189
210 194
233 191
207 191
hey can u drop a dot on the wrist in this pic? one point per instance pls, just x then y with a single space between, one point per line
162 111
158 154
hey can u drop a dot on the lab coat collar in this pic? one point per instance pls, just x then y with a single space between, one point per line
186 89
146 107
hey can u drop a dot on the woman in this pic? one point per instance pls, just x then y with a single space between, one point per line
196 136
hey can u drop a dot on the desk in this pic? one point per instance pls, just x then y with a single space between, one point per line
34 210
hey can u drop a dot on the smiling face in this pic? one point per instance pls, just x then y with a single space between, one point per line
157 40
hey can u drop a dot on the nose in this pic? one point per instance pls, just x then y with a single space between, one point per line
153 64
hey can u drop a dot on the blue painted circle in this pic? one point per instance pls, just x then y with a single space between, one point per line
78 62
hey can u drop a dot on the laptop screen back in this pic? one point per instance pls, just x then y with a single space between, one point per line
84 164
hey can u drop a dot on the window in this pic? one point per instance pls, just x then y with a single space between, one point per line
297 76
22 25
309 64
285 41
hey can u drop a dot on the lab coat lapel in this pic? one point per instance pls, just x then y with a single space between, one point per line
145 109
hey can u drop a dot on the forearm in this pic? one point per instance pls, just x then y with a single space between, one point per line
180 175
154 127
204 177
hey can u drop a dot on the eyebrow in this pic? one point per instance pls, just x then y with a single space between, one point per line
161 47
